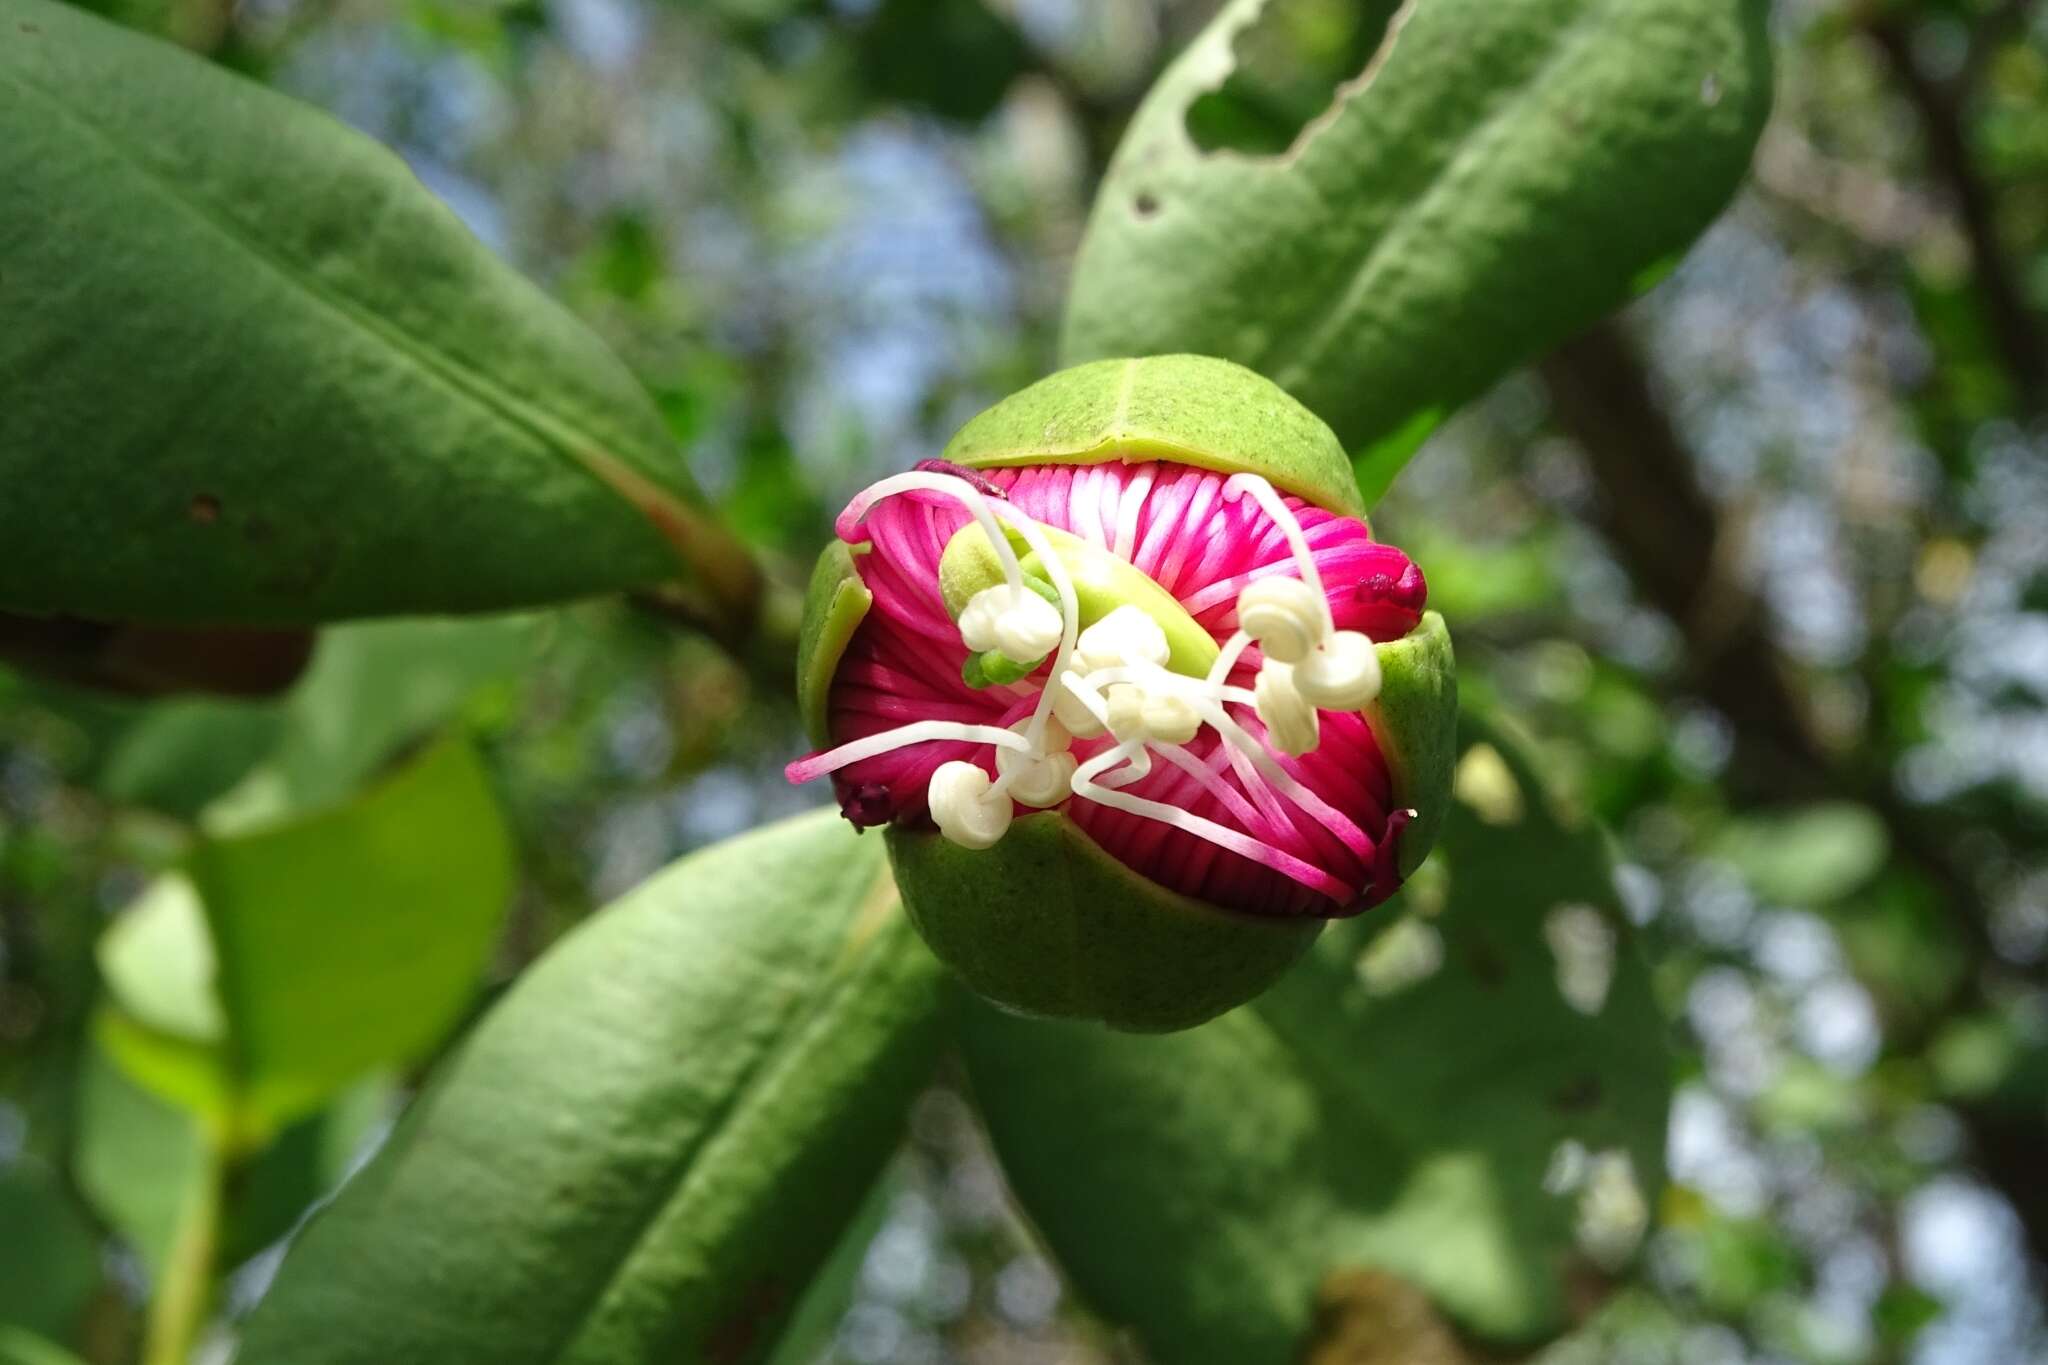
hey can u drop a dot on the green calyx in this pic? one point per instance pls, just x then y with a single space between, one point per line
1047 923
1415 720
1184 409
1102 583
834 606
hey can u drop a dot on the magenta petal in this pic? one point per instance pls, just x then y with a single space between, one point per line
1171 521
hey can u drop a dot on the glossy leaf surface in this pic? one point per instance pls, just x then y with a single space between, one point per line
254 372
649 1145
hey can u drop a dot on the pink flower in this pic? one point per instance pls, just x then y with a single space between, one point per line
1186 784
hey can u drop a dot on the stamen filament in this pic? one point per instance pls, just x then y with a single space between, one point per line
917 732
946 485
1290 526
1244 845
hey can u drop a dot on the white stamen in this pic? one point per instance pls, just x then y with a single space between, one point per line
1290 527
1169 719
1113 676
1086 785
1070 613
1342 673
917 732
961 491
1284 615
1038 778
1289 719
963 807
1319 810
1016 622
1127 635
1233 650
1309 663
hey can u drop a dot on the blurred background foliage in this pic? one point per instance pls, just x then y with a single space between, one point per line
1761 566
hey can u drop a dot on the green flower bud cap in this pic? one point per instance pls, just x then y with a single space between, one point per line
1139 699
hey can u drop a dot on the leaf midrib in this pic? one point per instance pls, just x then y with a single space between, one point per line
557 435
683 1173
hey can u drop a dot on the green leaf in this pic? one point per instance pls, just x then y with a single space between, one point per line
371 689
25 1348
1469 1094
49 1255
647 1147
145 1164
812 1327
254 372
277 967
138 1159
1493 178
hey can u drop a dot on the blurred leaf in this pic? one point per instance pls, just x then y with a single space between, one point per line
1743 1261
1498 181
298 958
22 1348
809 1334
646 1148
1469 582
178 756
1902 1312
373 688
49 1254
1812 856
197 24
158 957
953 57
137 1158
267 1194
1471 1096
142 1162
333 400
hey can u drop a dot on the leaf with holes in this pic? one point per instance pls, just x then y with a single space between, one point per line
648 1146
253 372
1469 1095
1466 183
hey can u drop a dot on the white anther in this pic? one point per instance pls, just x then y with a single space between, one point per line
1340 674
1126 636
1284 615
1290 720
978 621
964 809
1014 620
1039 779
1070 711
1126 702
1169 719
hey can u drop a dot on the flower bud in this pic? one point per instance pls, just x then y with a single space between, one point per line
1139 699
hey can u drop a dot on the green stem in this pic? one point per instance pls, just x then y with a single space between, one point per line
184 1292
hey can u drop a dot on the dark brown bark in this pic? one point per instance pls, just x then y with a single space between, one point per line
2016 330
